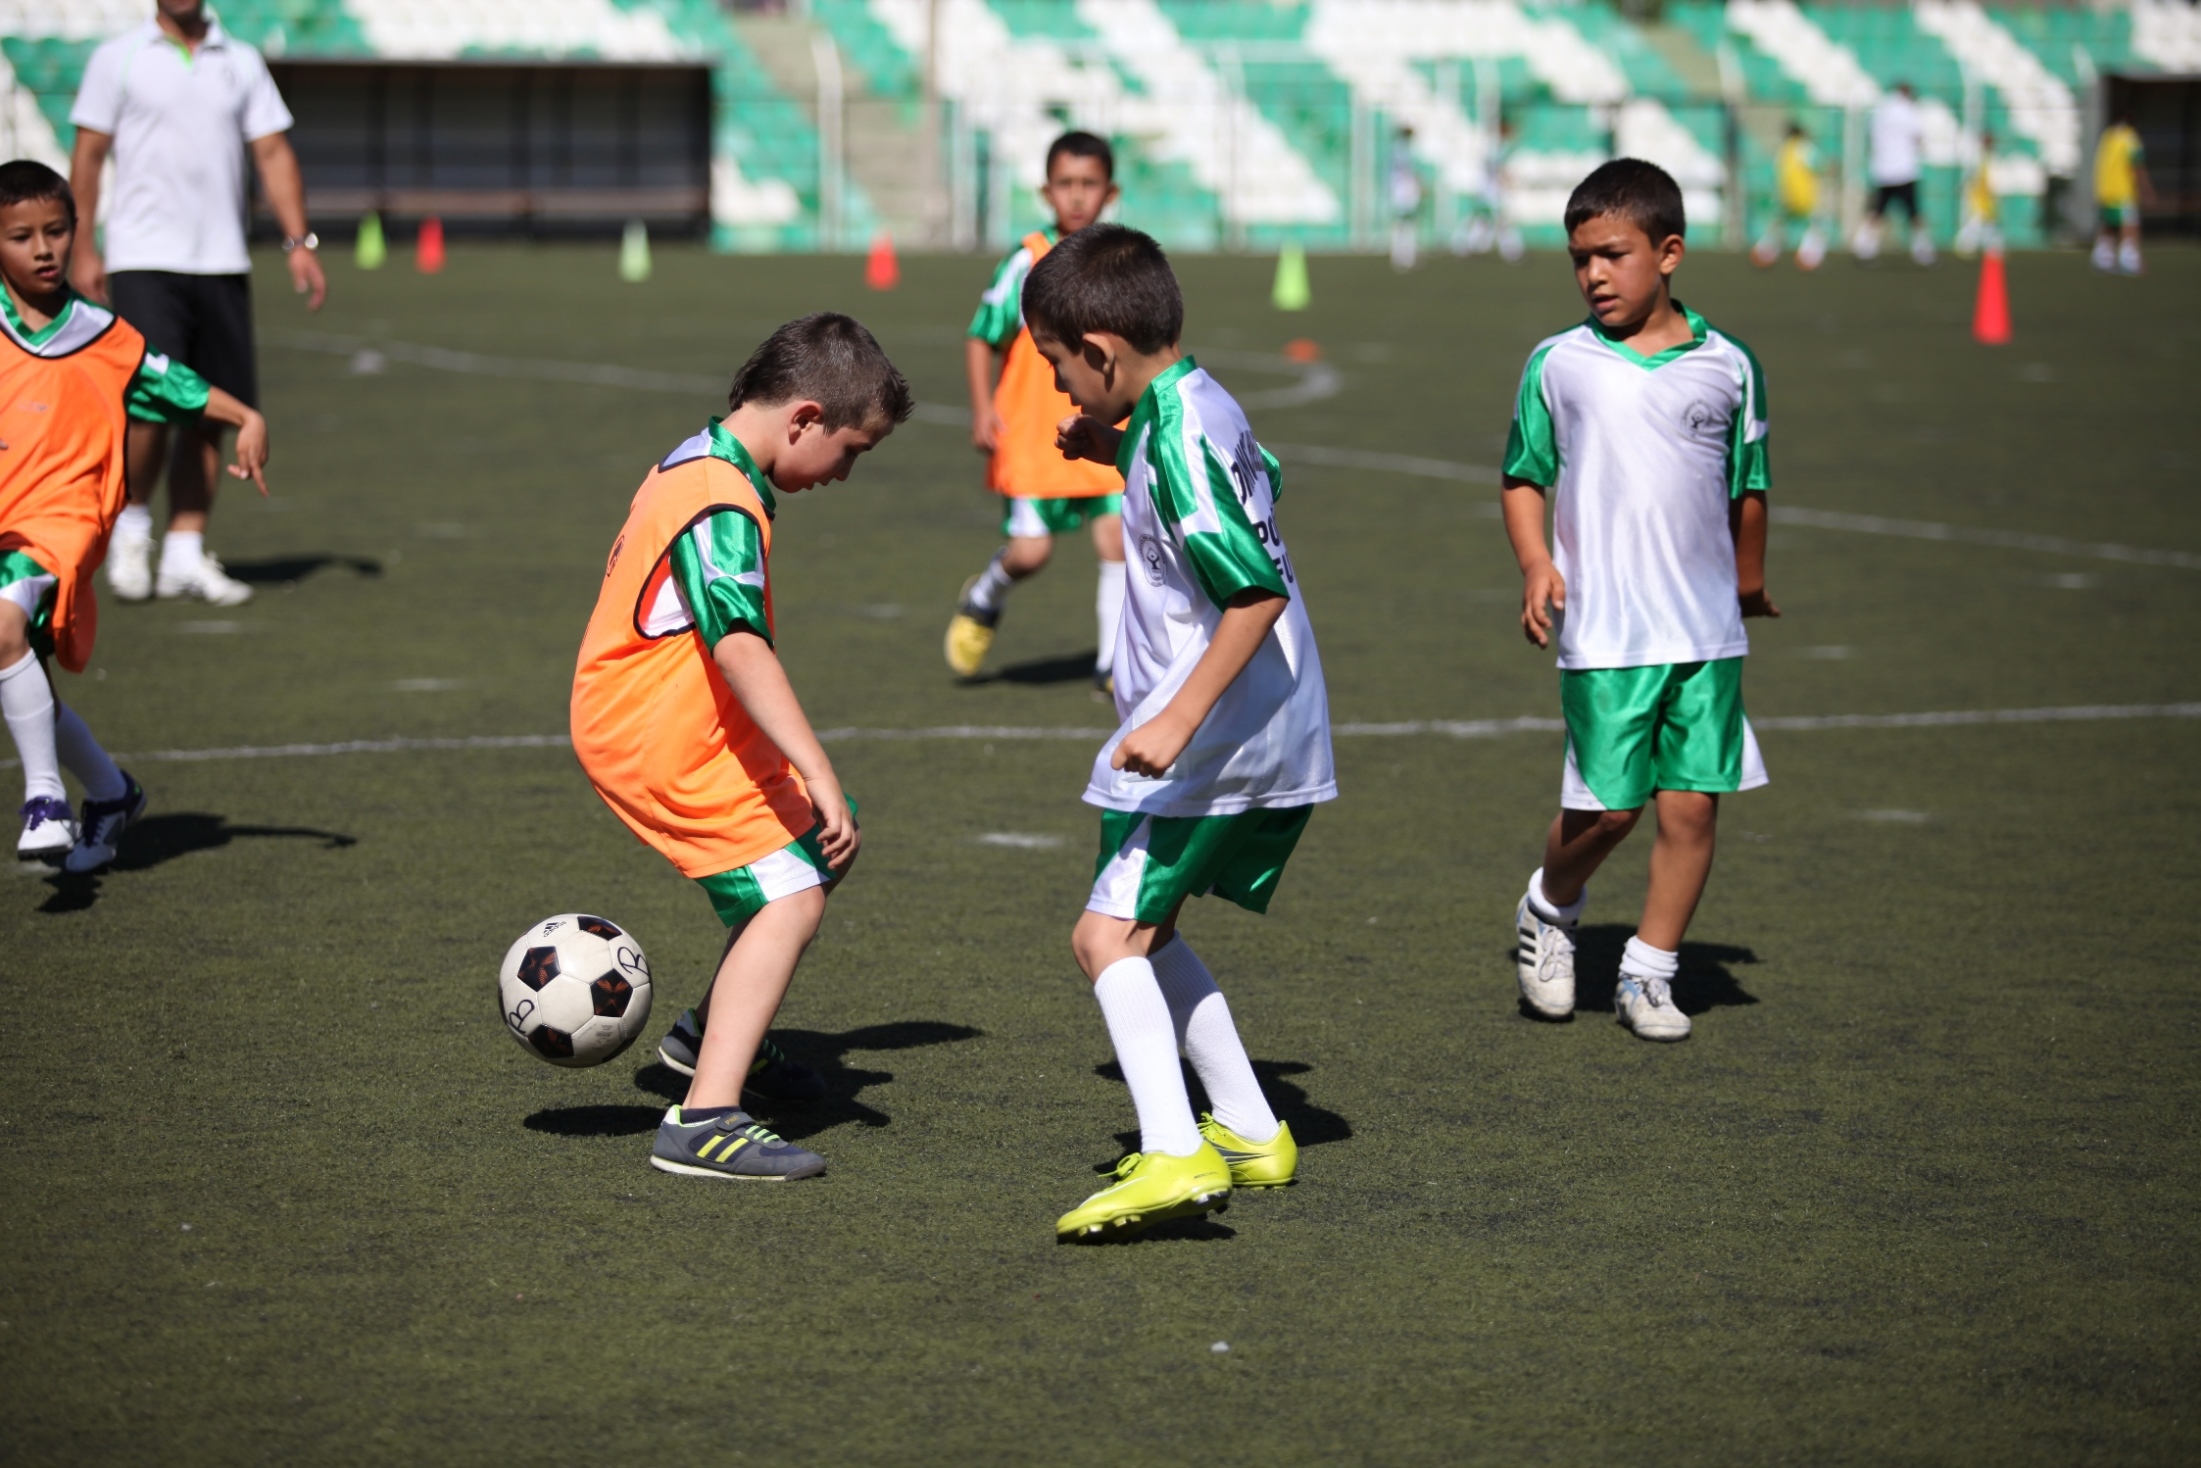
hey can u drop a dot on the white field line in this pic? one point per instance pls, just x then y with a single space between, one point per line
1447 728
1317 380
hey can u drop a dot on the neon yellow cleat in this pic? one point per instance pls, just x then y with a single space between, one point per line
1270 1164
1149 1188
970 635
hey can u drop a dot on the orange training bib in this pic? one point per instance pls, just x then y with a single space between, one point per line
1026 461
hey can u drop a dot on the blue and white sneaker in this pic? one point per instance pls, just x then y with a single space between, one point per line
733 1146
49 830
772 1076
1647 1007
99 834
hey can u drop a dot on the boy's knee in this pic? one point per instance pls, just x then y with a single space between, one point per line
1027 553
1615 824
1688 810
15 640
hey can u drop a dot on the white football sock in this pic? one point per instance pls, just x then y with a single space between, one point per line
26 700
134 523
81 753
1146 1048
180 552
1550 911
1643 961
992 584
1211 1042
1108 602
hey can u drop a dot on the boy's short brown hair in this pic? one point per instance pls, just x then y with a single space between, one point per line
831 359
1106 278
1642 193
23 182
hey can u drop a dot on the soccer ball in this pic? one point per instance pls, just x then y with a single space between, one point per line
574 990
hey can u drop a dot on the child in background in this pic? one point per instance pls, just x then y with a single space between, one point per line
688 728
2121 185
1013 422
1981 231
1796 191
1224 748
72 375
1646 429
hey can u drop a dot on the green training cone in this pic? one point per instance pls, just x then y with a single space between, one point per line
1291 292
370 249
634 253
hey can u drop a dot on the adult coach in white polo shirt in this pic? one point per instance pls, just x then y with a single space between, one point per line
1898 148
178 103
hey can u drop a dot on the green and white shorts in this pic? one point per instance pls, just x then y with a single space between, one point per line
741 894
1150 864
30 586
1670 726
1024 518
2117 216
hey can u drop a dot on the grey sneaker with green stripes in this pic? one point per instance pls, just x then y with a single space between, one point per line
730 1146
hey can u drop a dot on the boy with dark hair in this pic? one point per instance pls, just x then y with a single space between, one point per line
686 725
1646 429
1013 422
1224 747
72 375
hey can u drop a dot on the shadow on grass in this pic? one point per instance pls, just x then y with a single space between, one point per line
1704 982
279 570
793 1120
1075 667
163 838
1312 1125
1201 1230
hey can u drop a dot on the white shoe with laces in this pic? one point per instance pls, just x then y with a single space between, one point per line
1544 961
130 566
206 582
1647 1007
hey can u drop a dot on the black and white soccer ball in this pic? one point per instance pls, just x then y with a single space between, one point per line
574 990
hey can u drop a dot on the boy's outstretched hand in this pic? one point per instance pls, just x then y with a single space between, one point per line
252 452
1081 436
1758 604
1543 591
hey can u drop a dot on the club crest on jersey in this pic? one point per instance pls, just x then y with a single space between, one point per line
1704 420
1150 556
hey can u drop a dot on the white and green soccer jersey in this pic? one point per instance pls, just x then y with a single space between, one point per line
1643 456
1199 526
718 580
164 390
1001 309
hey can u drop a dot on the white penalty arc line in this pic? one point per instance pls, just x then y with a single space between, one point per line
1014 733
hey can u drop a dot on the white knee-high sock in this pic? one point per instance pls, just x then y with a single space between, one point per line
1210 1041
26 701
1146 1047
84 758
1108 603
992 584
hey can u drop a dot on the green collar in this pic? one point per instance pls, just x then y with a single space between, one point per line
1697 330
1149 406
725 446
44 334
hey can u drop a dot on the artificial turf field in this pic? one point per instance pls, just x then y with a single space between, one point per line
1922 1187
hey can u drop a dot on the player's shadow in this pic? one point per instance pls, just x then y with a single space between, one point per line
824 1053
1074 667
281 570
164 837
1312 1125
1704 981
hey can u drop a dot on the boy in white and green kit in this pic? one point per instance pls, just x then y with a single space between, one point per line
1224 747
1646 428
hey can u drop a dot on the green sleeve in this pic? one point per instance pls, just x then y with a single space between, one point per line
718 564
165 391
1001 309
1203 507
1749 461
1532 445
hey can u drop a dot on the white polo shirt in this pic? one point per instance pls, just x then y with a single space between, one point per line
180 122
1898 135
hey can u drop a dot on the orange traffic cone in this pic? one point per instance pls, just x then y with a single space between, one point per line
428 250
1991 316
881 271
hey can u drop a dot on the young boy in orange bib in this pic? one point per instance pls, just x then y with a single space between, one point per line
1013 423
688 728
71 375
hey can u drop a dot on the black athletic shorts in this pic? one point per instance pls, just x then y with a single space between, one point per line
1905 194
203 321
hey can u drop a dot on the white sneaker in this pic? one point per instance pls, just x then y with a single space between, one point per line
2105 256
130 566
206 582
1544 961
49 830
1647 1007
2128 260
1922 250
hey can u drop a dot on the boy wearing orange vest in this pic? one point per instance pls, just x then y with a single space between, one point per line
1013 422
688 729
71 375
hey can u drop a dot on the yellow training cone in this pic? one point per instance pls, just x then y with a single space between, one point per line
370 249
1291 292
634 253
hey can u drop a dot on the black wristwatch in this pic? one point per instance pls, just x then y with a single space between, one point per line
310 241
